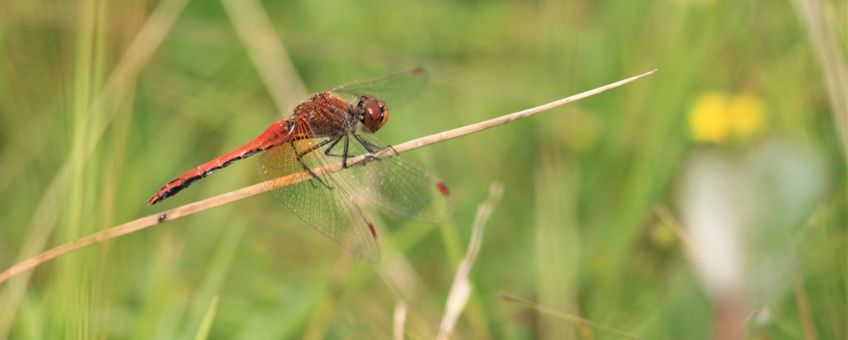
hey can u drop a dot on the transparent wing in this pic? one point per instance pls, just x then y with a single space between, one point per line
395 89
332 211
395 185
332 204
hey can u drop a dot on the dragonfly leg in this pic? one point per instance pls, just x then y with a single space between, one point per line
333 146
329 151
317 146
365 144
390 147
344 152
300 155
344 155
372 149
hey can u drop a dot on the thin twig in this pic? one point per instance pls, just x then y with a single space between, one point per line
216 201
461 288
555 313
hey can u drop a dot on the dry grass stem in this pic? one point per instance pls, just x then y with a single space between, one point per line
461 287
666 217
565 316
816 18
399 320
266 50
802 300
102 110
216 201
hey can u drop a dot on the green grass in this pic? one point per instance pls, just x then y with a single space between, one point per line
88 131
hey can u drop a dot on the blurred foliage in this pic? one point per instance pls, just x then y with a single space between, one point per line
587 221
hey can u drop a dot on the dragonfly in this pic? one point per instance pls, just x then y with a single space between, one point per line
338 125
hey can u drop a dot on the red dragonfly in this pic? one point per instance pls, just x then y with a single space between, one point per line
338 125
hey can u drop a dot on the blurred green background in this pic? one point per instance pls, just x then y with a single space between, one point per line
101 102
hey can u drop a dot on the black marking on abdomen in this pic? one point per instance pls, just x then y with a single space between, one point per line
178 188
236 158
189 181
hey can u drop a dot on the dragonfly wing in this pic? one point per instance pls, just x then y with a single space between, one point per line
332 211
395 89
397 186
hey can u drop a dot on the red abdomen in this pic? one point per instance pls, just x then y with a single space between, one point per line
276 134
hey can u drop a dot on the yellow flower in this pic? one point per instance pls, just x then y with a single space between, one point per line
718 116
746 115
708 120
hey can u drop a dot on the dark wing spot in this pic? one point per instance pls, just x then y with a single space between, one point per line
161 218
443 189
373 231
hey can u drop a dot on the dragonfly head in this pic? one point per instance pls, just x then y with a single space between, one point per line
372 112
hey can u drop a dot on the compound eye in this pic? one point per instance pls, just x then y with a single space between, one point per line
384 112
373 113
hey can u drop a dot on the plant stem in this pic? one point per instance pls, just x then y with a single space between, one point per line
239 194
